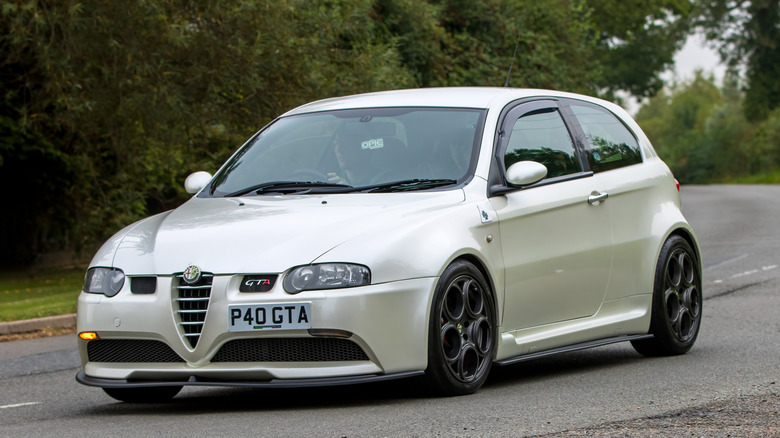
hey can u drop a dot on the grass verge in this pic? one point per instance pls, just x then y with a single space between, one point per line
25 295
764 178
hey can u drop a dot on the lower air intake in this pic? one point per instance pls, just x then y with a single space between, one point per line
290 350
131 350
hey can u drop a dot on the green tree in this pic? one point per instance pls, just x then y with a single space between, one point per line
762 150
108 105
676 124
747 34
637 41
590 46
702 133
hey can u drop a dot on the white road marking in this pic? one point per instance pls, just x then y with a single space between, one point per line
19 405
726 262
746 273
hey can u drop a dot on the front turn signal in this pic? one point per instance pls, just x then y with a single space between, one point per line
89 336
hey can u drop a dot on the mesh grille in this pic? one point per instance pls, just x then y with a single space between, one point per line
193 303
130 350
289 350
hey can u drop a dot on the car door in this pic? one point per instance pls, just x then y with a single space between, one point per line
555 235
638 193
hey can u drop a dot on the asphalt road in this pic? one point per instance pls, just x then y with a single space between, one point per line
735 356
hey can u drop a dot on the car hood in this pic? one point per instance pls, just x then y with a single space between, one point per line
261 234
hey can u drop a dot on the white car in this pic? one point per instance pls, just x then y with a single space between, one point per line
432 233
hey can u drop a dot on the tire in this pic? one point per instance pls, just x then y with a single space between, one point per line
677 301
153 394
462 332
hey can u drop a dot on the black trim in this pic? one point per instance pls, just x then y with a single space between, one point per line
501 189
143 285
82 378
496 178
570 348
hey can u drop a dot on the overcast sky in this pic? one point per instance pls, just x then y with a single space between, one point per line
695 55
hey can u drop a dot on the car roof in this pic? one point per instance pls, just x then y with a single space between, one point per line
454 97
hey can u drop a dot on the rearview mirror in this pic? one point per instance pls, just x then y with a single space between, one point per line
525 173
196 181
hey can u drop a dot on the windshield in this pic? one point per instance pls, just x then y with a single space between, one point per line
355 150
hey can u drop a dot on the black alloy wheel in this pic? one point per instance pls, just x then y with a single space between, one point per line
677 301
462 332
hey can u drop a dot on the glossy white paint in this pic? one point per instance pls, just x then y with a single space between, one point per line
562 270
195 182
525 173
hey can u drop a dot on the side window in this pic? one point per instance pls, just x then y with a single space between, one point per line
541 136
610 144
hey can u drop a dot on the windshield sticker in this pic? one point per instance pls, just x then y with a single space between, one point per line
374 143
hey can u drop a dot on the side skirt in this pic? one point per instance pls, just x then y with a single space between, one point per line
570 348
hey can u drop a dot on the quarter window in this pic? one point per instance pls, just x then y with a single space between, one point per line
610 144
542 136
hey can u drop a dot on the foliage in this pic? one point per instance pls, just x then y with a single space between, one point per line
747 34
590 46
763 148
701 132
107 106
637 40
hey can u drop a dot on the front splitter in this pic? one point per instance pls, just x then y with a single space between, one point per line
274 383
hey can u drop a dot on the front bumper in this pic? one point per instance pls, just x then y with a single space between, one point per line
388 322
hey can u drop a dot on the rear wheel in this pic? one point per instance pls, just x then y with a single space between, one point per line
461 341
677 301
153 394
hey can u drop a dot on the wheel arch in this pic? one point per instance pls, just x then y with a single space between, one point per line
483 269
477 262
688 236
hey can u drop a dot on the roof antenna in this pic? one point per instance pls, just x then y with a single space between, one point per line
506 84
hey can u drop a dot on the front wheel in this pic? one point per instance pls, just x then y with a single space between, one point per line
677 301
461 339
154 394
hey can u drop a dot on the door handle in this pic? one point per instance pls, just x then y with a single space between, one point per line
596 197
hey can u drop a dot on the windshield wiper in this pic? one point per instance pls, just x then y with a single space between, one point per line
407 185
285 187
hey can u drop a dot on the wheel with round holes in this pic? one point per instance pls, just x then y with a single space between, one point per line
462 331
677 301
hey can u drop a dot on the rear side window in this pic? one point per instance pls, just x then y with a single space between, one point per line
542 136
610 144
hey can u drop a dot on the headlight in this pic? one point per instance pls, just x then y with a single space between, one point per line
106 281
326 276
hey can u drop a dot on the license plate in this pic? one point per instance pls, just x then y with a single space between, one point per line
247 318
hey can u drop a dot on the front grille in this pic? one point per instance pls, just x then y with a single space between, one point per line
290 350
130 350
193 303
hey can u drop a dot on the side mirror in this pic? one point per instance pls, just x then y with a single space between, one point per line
196 181
524 173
